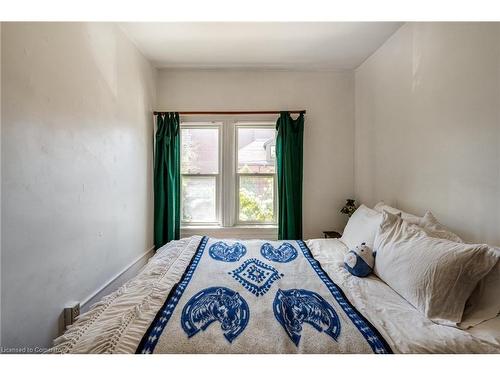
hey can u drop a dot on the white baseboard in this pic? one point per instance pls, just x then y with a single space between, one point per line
116 281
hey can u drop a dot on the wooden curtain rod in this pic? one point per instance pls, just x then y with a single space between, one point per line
302 111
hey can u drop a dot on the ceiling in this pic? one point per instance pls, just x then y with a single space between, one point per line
285 45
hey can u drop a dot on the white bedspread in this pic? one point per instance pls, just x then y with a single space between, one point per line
404 328
118 323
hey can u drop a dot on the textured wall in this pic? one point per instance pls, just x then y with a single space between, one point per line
76 168
428 125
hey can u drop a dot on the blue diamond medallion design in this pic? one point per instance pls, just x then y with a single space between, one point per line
256 276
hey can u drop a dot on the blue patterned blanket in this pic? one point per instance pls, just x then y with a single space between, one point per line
258 297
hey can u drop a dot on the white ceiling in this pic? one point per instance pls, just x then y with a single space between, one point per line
290 45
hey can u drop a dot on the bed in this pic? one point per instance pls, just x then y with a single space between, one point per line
207 295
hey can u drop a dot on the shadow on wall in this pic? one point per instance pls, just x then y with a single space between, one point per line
76 145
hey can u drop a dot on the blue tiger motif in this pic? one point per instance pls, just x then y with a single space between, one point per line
295 306
225 253
216 304
283 254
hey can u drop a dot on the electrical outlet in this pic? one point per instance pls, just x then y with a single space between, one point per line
70 313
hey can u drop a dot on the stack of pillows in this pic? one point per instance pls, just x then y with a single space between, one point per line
449 281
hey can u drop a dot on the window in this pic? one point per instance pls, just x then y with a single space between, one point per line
256 174
200 177
228 173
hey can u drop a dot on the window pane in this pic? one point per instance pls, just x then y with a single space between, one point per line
256 198
199 199
200 151
256 150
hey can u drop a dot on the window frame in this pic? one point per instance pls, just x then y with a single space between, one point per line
253 125
227 185
218 177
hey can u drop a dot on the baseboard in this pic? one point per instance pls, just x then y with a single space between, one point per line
116 281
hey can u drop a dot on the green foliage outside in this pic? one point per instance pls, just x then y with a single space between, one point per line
254 208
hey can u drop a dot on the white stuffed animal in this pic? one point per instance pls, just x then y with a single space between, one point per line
360 261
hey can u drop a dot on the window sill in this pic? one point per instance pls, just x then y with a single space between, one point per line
242 226
267 232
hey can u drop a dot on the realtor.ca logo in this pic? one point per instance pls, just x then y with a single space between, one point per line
22 350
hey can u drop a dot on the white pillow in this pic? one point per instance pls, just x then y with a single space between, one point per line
428 222
413 219
361 227
484 302
435 275
435 229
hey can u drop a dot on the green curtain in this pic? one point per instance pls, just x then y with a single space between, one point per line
289 150
167 167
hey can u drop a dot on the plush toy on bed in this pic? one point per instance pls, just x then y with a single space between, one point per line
360 261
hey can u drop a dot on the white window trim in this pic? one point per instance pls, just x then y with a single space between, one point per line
251 125
218 177
228 225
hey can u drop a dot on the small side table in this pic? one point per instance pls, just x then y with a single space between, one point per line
331 234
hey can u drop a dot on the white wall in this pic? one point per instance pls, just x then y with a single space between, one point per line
428 125
0 184
76 168
328 138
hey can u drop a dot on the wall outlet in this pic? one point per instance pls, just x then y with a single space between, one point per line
70 313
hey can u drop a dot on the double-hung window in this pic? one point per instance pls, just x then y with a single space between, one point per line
228 173
255 174
200 173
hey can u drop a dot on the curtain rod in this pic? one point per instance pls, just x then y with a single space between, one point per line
301 111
